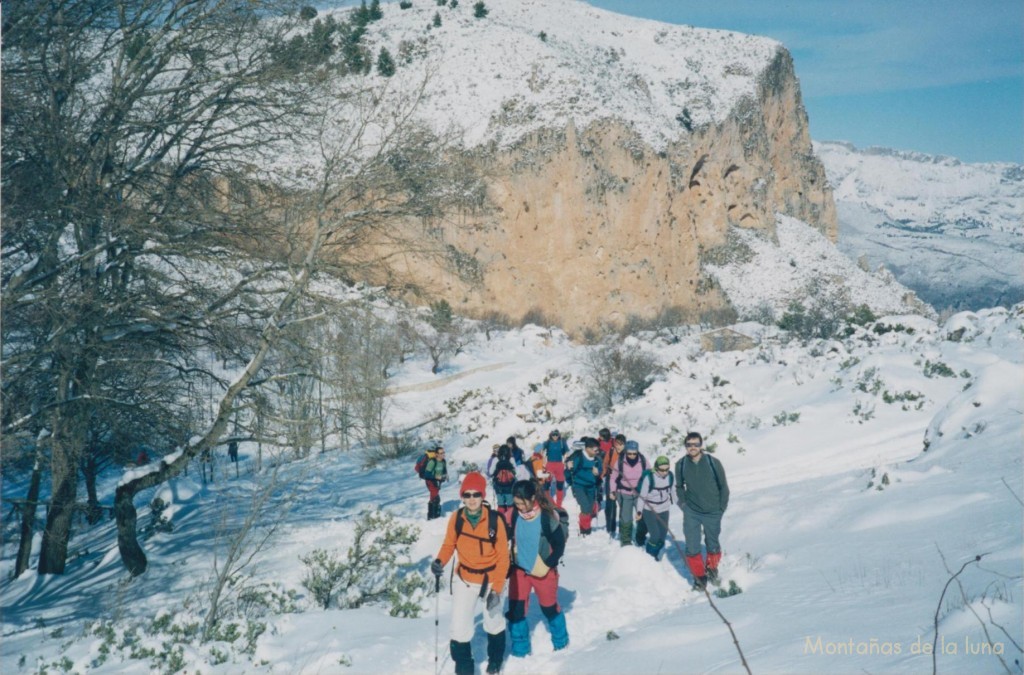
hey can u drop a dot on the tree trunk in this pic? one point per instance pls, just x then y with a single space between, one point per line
132 555
89 471
28 519
54 551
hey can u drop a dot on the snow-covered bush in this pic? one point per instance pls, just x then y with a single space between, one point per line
617 372
376 568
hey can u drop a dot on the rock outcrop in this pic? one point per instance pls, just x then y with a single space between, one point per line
595 216
593 225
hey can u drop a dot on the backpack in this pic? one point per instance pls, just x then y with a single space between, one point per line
494 521
574 460
563 522
504 476
547 529
648 475
421 464
643 470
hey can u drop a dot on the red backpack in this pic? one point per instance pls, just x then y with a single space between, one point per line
504 476
421 464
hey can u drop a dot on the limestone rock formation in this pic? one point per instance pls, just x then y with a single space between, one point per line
619 154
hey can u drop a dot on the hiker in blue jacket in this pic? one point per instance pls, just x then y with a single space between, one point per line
518 454
539 531
585 470
556 449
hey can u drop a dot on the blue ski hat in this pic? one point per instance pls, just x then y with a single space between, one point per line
632 446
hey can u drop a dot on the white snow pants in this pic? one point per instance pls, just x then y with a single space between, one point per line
464 599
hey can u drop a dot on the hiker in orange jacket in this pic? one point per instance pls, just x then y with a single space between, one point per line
610 447
479 536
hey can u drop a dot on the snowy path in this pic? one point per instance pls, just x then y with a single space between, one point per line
444 381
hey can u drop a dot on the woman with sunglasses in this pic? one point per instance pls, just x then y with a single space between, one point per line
538 542
653 504
479 536
625 483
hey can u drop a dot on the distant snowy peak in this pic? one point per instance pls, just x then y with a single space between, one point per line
920 190
951 231
534 64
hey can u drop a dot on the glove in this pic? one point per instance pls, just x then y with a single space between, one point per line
493 599
437 567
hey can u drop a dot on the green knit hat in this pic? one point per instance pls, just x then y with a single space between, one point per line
662 459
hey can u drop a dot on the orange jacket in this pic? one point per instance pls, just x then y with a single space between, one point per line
611 458
537 464
476 551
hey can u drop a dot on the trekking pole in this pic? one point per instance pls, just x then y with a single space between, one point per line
682 556
437 622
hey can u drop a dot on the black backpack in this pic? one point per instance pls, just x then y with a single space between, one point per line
504 476
547 528
563 522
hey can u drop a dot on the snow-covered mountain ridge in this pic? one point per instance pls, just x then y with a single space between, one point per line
533 64
951 231
617 151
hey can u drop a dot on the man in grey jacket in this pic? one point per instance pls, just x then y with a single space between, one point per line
703 496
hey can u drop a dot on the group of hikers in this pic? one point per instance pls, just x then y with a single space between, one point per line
521 539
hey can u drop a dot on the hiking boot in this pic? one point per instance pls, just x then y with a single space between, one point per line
462 655
700 583
713 577
495 651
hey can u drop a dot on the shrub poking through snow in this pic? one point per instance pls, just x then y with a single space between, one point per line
615 373
938 369
733 589
158 522
376 568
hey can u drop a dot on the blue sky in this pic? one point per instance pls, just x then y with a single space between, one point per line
944 77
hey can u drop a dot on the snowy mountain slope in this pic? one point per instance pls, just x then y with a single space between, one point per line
533 64
952 232
765 273
836 529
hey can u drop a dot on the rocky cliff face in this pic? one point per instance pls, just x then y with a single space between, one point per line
593 224
620 154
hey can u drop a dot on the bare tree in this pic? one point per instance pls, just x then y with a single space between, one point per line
123 126
133 133
366 186
441 334
238 544
615 372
